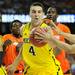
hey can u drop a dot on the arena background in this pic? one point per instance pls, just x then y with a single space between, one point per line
21 7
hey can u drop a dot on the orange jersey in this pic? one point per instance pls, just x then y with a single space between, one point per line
12 38
10 51
65 65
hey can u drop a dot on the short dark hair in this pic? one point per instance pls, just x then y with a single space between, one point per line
14 22
52 7
38 4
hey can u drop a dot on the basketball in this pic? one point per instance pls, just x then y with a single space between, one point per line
36 39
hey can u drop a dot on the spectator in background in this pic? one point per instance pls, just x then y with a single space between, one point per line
12 43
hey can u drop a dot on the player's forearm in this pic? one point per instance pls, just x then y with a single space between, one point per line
68 36
61 45
18 59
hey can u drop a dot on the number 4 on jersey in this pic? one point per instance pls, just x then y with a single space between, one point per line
31 50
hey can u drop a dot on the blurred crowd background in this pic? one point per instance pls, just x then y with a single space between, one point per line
22 7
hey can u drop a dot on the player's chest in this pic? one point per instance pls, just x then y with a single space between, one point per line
34 51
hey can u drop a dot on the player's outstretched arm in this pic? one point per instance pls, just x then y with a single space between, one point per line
62 45
48 37
67 36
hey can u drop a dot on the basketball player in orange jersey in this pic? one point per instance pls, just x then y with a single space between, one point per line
52 15
11 45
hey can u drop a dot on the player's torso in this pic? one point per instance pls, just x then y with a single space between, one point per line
10 51
42 57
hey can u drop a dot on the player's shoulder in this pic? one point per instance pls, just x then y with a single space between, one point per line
64 27
7 35
44 25
24 27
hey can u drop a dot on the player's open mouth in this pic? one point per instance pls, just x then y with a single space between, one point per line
36 18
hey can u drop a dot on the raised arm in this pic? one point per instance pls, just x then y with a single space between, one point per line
48 37
67 36
62 45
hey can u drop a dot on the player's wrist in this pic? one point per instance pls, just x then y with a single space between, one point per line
51 38
61 33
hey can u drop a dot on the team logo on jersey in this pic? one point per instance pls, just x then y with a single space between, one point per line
26 40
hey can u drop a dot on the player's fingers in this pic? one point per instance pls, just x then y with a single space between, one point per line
32 31
39 34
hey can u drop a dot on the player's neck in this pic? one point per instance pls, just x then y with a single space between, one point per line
54 20
16 35
34 25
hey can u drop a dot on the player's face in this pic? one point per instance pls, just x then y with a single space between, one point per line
16 28
52 13
36 13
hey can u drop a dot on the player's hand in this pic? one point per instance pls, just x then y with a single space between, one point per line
19 45
45 33
57 30
54 27
52 24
